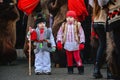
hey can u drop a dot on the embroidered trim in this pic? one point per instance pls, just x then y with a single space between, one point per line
77 26
114 15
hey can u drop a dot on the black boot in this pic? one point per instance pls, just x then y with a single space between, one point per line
109 74
70 70
81 70
97 73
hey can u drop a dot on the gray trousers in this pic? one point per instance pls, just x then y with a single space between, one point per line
42 62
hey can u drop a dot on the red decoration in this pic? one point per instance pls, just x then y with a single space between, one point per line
41 31
59 45
27 6
33 35
94 34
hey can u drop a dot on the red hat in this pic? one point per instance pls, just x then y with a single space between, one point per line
71 14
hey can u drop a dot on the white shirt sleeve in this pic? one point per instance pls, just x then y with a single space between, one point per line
52 41
59 35
82 35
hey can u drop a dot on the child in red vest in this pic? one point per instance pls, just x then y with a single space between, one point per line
72 36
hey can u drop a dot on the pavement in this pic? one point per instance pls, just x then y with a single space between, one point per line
19 71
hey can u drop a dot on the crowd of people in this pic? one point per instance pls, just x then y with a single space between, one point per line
71 37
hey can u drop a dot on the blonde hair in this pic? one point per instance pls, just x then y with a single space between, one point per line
96 9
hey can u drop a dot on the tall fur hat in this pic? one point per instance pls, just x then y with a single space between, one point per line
39 19
71 14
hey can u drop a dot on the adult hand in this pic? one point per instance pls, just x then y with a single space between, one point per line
30 29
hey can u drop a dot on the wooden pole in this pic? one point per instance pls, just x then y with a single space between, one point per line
30 56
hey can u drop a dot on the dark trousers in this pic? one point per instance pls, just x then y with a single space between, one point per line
100 30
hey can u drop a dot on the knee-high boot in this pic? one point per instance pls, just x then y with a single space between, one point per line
97 73
81 70
70 70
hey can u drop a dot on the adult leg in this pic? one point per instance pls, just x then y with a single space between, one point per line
100 52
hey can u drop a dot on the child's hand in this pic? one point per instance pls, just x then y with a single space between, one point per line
30 29
81 46
53 49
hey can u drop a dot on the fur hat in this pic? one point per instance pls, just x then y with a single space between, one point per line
71 14
39 19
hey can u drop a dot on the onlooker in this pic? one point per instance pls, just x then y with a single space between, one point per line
99 26
113 38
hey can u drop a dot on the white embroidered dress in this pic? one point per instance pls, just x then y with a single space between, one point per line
71 44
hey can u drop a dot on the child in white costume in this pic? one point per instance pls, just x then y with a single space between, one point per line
41 37
72 36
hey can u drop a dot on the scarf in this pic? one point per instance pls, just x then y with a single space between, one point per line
45 34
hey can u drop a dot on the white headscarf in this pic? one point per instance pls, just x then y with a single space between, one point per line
91 2
100 2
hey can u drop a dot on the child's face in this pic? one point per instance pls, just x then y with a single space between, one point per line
70 19
41 25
